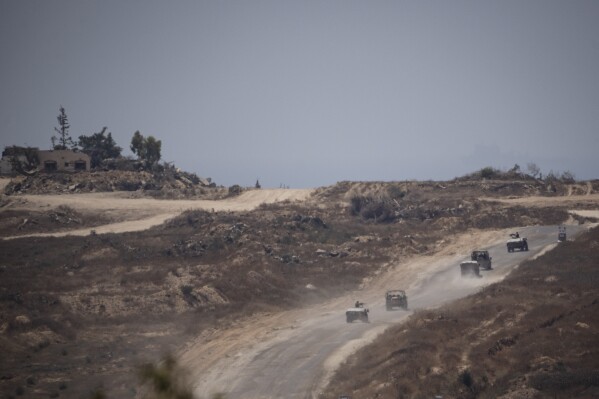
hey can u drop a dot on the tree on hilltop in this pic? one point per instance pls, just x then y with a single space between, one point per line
99 146
147 149
63 141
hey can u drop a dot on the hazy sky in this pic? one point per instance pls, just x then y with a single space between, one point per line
308 93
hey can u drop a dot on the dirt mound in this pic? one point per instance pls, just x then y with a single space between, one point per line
463 188
166 183
60 219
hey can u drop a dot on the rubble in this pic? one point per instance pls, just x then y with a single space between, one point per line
168 183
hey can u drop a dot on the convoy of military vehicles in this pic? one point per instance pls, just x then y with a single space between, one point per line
479 260
393 299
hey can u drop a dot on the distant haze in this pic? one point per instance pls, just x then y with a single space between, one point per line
308 93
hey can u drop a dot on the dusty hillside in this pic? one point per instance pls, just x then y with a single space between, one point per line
81 312
534 335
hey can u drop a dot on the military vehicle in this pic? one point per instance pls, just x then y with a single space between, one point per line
483 259
470 268
358 312
396 298
561 233
517 242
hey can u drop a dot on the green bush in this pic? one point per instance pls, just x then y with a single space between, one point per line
489 172
235 190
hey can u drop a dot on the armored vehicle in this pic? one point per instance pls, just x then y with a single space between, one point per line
470 268
517 242
358 312
396 298
483 259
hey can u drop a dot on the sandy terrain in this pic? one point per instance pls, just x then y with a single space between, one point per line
549 201
571 200
122 202
142 213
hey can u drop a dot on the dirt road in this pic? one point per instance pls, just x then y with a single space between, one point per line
549 201
292 355
136 214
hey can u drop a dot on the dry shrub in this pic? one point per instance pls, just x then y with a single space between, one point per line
379 209
165 380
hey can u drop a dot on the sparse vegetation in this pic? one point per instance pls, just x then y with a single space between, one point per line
489 172
99 305
516 173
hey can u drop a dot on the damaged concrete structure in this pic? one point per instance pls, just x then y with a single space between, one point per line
43 160
63 161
